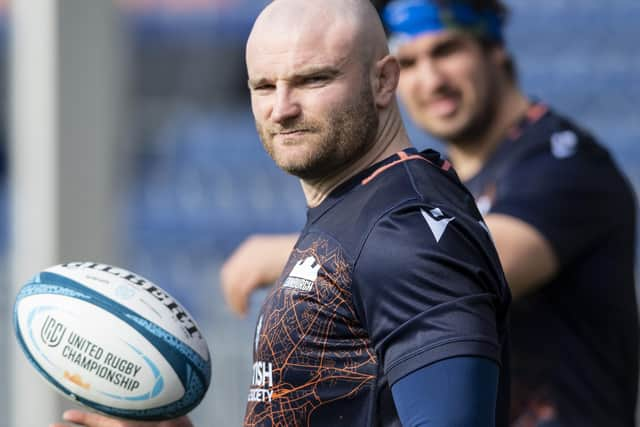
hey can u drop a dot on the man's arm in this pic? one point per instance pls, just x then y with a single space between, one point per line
526 256
455 392
257 262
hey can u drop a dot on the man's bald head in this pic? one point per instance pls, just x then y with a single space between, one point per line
321 81
347 27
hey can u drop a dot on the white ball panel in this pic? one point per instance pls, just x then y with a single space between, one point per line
104 360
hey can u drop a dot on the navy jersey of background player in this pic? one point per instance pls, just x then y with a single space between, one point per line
575 340
393 271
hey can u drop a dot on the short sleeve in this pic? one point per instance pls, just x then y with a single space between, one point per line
427 288
574 201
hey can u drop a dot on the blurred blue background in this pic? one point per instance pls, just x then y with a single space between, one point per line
201 181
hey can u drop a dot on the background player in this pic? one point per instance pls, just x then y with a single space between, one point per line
560 212
399 312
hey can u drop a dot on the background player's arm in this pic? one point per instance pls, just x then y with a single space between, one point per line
257 262
89 419
527 257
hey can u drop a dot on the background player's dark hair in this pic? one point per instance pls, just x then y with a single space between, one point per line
496 6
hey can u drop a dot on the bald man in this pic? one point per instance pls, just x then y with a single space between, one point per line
391 310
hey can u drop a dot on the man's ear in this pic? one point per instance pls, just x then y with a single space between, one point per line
387 74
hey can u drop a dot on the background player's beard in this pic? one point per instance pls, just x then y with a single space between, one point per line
480 123
477 127
334 143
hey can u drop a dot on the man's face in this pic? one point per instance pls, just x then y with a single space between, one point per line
448 83
312 102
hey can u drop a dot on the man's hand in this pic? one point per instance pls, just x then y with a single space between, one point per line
257 262
89 419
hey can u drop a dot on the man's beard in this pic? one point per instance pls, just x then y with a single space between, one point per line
343 137
479 123
477 127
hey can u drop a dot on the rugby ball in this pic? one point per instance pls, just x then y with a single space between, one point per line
113 341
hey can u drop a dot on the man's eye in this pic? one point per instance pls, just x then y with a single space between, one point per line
447 49
406 63
264 87
315 79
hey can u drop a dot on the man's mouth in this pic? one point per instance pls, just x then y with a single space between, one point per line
442 106
291 132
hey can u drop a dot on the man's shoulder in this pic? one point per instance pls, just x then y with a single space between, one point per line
419 182
554 147
554 166
556 136
424 176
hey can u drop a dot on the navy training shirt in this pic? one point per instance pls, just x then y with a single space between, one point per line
395 270
575 340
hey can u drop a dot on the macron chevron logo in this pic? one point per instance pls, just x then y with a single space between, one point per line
303 274
437 222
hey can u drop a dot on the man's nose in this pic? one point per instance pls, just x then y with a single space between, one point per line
429 76
286 106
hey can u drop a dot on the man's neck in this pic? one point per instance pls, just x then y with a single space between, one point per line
390 139
470 156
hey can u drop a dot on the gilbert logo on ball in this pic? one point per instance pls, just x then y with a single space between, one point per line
112 340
